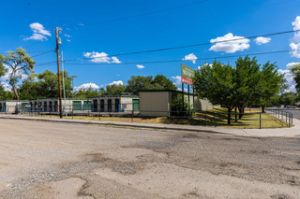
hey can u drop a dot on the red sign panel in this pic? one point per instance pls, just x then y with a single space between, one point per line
186 80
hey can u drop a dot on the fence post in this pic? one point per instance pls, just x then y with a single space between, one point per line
132 115
260 121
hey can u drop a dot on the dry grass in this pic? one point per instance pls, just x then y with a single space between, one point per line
213 118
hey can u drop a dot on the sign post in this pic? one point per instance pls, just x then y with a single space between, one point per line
187 75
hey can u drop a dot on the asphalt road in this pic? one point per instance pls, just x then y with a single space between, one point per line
50 160
296 112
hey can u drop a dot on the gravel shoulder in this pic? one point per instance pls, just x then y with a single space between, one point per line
47 160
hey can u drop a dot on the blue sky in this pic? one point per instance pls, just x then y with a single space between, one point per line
96 27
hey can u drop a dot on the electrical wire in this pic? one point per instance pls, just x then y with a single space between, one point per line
190 45
180 60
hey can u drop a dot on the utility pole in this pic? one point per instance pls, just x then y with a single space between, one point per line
58 43
63 75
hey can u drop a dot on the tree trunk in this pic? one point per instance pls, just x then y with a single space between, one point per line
235 115
241 112
263 109
229 116
16 93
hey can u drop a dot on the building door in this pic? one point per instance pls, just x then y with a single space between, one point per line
45 107
117 105
109 105
95 105
50 106
76 105
136 105
102 105
87 105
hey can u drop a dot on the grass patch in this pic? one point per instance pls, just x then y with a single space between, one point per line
251 120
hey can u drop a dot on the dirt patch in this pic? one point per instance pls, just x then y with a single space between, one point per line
280 196
125 168
190 136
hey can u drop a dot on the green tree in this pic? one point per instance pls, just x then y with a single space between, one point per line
2 68
19 63
216 83
269 85
162 82
288 99
115 90
87 93
247 76
296 71
44 85
137 83
5 95
159 82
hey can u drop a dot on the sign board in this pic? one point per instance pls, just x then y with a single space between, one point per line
187 74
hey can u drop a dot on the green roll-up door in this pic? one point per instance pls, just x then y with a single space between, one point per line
87 105
136 104
76 105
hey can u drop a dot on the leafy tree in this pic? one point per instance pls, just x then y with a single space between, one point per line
137 83
5 95
19 63
2 68
115 90
86 94
159 82
270 84
247 76
44 85
296 71
162 82
216 83
288 99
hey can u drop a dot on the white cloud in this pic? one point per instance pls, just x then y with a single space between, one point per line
295 49
292 64
118 82
295 44
206 64
262 40
39 32
190 57
115 60
289 77
229 43
140 66
176 80
87 86
101 57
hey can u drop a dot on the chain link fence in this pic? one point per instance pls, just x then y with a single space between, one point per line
129 112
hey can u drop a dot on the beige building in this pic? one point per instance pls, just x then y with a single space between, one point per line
159 102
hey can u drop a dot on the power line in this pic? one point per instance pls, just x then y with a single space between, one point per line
190 45
203 59
43 53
